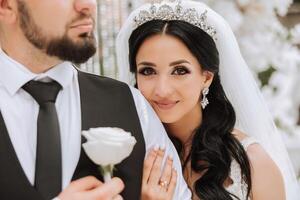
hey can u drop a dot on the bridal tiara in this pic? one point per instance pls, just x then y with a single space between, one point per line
167 13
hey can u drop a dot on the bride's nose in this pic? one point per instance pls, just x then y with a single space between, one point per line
163 87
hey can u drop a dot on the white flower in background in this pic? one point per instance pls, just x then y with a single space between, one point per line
270 48
296 34
107 146
234 17
281 6
244 2
266 43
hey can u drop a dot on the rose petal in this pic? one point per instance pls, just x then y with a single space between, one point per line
108 146
105 153
88 135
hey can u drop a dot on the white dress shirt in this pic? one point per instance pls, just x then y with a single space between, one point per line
20 113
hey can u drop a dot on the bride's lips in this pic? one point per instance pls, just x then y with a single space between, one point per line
165 105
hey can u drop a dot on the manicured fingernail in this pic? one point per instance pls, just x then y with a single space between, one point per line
156 147
170 157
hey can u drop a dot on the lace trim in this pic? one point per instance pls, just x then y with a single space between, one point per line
247 142
239 187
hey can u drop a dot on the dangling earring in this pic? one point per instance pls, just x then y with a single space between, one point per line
204 101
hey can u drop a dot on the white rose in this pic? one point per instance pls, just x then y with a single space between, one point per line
108 146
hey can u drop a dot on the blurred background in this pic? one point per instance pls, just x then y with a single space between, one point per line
268 32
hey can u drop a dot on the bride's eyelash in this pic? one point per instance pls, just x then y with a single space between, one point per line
146 71
181 70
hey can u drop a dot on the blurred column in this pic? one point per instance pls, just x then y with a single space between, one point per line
111 14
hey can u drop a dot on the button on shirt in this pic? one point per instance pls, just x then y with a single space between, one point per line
20 113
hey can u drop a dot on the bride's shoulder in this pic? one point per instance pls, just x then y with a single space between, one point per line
255 151
238 134
259 159
265 173
244 139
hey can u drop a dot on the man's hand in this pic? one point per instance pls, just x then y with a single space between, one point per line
90 188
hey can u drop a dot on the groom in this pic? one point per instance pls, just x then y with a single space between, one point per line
45 102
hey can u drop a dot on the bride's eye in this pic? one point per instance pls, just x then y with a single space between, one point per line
180 70
146 71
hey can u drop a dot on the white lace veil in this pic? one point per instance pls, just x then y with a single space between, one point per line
240 87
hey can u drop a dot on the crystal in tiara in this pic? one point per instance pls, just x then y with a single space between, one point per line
167 13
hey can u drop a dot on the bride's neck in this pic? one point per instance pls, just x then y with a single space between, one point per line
184 128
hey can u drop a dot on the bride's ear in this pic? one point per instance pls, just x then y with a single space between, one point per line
208 78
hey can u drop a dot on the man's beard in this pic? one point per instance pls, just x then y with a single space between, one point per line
62 47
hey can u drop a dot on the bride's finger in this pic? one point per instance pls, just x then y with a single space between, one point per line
156 168
148 163
167 173
172 184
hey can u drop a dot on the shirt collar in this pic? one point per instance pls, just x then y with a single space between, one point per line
14 75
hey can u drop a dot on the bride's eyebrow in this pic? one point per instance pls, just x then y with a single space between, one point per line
147 64
177 62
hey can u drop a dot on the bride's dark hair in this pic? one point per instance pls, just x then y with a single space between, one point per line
213 144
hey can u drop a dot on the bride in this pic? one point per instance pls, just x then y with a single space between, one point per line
187 64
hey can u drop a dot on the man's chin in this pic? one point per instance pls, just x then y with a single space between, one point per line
76 51
81 55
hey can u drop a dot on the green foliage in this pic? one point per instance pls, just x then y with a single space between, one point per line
264 76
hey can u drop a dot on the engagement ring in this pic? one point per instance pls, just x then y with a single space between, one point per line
163 184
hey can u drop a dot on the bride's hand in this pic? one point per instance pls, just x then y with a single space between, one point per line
157 184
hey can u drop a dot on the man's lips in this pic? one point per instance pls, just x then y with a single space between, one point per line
82 22
165 105
83 26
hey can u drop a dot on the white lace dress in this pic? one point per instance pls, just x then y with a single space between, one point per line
238 187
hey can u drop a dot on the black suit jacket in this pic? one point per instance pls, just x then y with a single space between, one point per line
104 103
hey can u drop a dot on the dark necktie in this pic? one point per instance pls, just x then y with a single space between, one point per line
48 171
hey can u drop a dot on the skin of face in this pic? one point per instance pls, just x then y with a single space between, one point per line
48 32
60 28
170 77
57 18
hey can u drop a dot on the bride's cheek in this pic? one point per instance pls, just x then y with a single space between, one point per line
145 89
